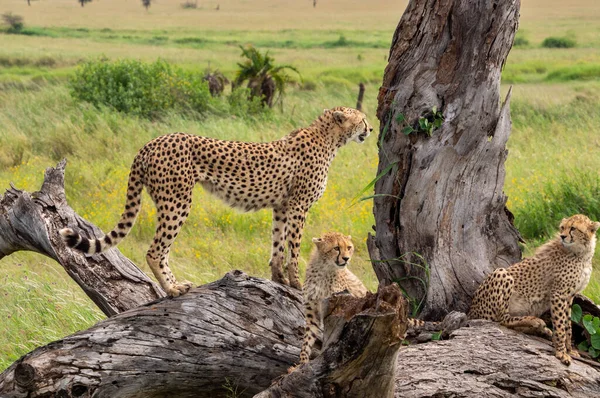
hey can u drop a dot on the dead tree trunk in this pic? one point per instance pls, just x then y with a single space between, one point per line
361 341
361 95
32 221
441 221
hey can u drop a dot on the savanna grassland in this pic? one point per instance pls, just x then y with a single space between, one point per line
552 168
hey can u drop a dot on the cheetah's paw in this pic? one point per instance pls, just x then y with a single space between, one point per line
177 289
564 357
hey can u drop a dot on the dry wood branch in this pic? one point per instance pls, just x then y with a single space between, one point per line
32 221
361 339
239 331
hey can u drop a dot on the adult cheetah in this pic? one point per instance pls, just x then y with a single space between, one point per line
327 273
287 175
516 296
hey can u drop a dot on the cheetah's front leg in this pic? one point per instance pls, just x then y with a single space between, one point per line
560 322
278 247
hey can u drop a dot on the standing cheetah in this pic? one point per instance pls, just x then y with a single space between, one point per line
516 296
287 175
327 274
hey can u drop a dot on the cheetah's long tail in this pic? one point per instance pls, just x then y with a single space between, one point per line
132 208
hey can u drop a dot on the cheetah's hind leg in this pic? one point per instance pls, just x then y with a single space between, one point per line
171 216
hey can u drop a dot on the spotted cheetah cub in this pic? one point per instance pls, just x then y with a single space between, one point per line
327 274
516 296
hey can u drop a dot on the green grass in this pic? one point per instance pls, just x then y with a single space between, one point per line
552 167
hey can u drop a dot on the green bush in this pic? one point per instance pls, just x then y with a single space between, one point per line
520 41
14 22
142 89
571 193
558 42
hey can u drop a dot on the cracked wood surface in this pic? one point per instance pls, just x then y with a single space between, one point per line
361 339
239 331
485 360
441 206
31 221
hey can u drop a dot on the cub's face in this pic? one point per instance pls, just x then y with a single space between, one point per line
354 124
334 249
578 233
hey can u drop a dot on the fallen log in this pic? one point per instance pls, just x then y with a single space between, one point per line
237 333
31 221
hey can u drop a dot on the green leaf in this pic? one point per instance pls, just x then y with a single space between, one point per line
596 323
583 346
576 313
372 183
593 352
437 123
595 340
400 118
434 110
589 325
436 336
407 130
423 123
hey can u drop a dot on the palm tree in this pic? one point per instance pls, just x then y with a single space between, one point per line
265 79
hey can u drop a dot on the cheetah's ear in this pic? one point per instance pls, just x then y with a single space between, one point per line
595 227
339 117
325 110
349 237
316 241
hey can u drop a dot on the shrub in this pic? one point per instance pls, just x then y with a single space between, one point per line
190 4
143 89
558 42
14 22
573 192
520 41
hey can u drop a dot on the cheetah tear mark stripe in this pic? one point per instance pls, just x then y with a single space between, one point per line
132 208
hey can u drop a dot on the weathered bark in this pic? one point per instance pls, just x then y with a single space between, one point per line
238 332
32 221
488 360
441 221
361 340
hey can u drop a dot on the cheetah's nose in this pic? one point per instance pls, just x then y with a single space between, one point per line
371 129
563 237
346 259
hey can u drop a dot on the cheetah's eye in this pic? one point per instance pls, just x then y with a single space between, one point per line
337 248
349 247
572 229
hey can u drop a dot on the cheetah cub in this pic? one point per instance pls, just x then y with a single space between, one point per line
327 274
516 296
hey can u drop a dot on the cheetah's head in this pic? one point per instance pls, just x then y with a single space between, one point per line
578 233
334 249
353 124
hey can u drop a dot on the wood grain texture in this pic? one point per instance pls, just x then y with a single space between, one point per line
361 339
31 221
485 360
239 331
443 197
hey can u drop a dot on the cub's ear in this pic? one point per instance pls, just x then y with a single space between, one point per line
349 237
339 117
316 241
325 110
594 227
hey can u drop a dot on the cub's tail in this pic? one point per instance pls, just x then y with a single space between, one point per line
132 208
